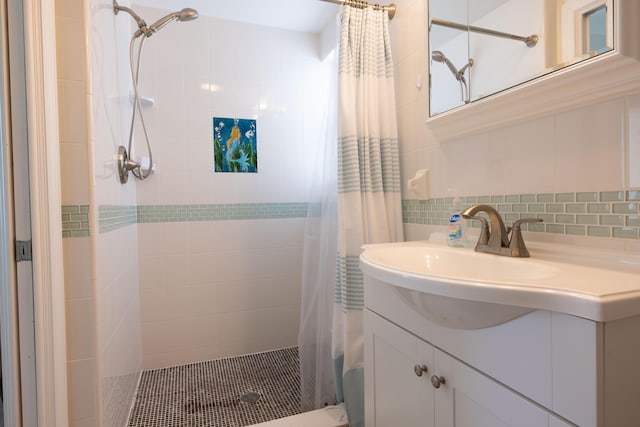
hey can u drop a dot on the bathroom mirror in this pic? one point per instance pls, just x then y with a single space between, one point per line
497 61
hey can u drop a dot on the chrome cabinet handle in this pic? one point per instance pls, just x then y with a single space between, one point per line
437 381
420 369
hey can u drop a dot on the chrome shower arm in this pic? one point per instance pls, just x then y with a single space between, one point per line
142 25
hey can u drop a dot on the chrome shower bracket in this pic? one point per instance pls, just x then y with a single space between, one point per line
142 25
125 165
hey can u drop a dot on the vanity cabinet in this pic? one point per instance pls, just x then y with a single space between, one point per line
543 368
410 383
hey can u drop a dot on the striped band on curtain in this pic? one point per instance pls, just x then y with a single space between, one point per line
368 165
351 296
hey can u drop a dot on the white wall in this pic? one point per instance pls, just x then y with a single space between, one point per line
593 148
501 63
212 289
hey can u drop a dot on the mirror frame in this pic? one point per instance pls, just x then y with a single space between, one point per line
607 75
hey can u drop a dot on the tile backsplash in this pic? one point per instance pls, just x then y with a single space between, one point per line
594 214
220 212
75 220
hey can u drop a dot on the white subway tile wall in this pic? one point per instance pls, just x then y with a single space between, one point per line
213 289
79 294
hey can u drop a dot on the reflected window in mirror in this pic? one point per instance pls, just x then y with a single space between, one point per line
595 31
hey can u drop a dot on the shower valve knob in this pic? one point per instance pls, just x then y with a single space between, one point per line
419 369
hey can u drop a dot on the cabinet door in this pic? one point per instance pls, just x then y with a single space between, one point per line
479 401
394 394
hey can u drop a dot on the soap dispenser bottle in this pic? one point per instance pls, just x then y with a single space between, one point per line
454 235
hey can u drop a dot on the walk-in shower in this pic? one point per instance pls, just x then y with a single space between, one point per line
126 164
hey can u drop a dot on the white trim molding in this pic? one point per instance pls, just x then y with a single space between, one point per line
46 222
9 338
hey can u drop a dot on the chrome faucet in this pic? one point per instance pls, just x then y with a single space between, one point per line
495 240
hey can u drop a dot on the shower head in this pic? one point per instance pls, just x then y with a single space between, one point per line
438 56
186 14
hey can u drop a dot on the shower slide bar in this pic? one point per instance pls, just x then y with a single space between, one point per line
530 41
391 9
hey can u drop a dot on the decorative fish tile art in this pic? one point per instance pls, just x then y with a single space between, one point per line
234 145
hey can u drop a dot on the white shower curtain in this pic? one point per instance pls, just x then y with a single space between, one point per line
369 197
317 377
357 201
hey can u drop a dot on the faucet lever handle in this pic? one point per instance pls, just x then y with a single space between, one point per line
516 245
519 222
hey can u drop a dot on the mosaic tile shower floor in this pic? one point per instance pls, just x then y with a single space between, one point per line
220 393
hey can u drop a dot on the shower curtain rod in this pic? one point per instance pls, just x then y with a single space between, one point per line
391 8
530 41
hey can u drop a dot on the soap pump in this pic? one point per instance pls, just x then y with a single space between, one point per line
455 236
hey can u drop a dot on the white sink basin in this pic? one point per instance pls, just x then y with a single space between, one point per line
462 264
465 289
460 313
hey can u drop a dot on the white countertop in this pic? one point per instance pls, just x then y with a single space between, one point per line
597 285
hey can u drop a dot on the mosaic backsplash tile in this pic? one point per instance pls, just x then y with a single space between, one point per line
75 221
221 212
594 214
112 217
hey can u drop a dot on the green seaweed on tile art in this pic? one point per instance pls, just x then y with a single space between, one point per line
234 145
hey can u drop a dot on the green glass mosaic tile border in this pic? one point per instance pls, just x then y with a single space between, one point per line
595 214
221 212
75 221
112 217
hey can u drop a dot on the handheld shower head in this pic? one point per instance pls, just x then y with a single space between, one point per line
186 14
438 56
